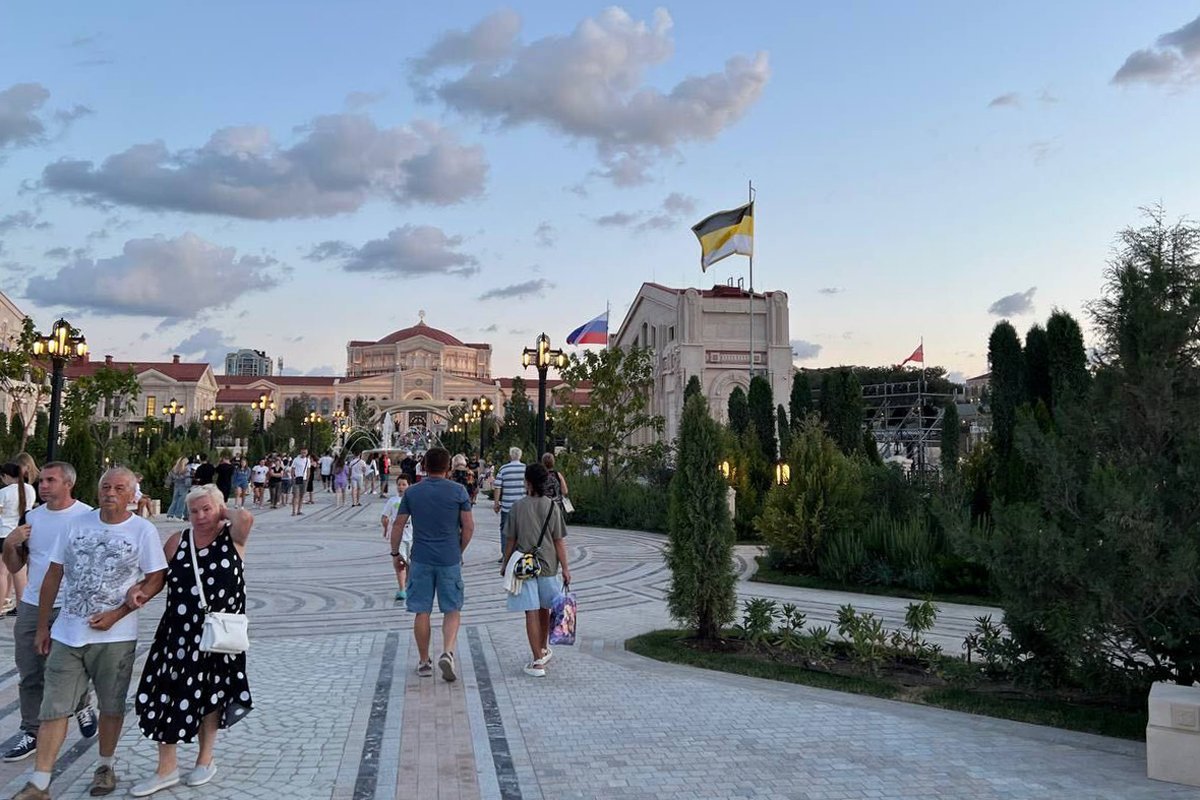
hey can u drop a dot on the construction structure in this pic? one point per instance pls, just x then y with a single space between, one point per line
905 419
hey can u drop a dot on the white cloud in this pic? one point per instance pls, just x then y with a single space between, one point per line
407 251
545 235
591 85
1014 305
1007 100
206 344
803 351
171 278
527 289
830 290
1174 58
23 121
670 213
342 161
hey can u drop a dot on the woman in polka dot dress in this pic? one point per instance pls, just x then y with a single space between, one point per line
185 692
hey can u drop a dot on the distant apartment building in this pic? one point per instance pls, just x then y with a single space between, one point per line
251 363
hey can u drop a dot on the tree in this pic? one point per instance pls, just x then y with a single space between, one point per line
739 411
618 408
699 551
693 388
1069 377
950 438
520 420
1037 366
79 450
1007 384
241 422
21 376
783 430
800 402
762 415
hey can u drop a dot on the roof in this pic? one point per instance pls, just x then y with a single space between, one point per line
551 383
718 290
239 395
279 380
420 329
185 371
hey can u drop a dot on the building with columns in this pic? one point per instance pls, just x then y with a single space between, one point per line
707 333
190 384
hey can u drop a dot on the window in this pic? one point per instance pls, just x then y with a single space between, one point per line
671 334
151 406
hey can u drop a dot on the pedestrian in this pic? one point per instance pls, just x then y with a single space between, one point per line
312 474
327 472
179 480
510 487
28 547
385 468
258 476
16 498
372 473
205 472
341 478
224 477
285 484
535 525
241 482
408 467
442 529
459 472
358 478
556 482
185 692
274 480
299 475
99 560
390 509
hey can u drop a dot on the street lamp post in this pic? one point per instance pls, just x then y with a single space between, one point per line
261 405
212 418
340 425
312 419
481 406
62 343
172 409
543 357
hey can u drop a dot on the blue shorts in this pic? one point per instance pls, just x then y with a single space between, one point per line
424 580
536 593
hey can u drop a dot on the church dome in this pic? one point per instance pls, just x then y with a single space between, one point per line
421 329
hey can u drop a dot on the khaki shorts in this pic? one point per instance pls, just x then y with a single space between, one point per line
109 666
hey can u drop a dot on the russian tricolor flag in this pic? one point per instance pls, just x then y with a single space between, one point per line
594 332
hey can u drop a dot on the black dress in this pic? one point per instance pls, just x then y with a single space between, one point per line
181 685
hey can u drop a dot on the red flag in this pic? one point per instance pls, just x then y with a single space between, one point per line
918 355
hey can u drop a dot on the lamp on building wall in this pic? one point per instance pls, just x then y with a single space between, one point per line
172 410
261 405
212 417
62 344
543 357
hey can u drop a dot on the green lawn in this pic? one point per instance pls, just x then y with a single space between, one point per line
767 575
669 646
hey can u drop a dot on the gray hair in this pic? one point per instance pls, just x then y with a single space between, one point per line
114 471
68 472
206 490
514 454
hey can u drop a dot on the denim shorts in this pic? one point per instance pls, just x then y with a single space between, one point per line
425 580
536 593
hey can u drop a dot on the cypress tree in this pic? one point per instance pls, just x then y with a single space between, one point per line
1069 376
1007 384
693 387
739 411
800 403
699 551
1037 366
79 451
783 430
762 415
830 391
849 413
949 442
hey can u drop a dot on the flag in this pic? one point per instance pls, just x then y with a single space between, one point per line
592 332
918 355
724 234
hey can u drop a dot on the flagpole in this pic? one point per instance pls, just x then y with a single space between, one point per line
607 322
750 193
921 405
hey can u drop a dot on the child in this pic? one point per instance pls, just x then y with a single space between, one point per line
390 509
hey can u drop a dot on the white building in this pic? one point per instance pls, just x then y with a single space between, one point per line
706 332
248 362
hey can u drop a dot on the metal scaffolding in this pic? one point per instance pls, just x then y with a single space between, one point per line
905 419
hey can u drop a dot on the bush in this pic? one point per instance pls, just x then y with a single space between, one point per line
627 505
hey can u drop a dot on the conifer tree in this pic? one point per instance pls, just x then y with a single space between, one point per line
739 411
783 430
800 403
1037 366
762 415
693 387
1007 384
1069 376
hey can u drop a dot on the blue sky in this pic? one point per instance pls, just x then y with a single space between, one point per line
290 176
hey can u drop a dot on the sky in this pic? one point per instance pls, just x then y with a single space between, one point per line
194 178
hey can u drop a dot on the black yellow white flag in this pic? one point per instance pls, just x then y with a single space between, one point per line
725 233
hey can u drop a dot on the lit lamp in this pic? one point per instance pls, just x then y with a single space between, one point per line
212 417
261 405
783 473
482 406
543 357
173 409
727 471
311 420
62 344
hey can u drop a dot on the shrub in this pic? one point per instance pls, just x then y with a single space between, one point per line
625 504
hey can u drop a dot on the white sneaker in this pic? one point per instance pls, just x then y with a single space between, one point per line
201 775
155 783
547 654
535 670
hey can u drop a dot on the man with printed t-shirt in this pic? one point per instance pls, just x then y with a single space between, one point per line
97 561
30 545
301 465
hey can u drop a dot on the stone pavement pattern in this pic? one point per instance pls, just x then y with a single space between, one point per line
340 714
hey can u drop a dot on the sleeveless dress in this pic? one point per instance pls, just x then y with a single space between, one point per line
181 685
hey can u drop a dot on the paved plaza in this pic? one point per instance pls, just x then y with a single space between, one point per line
339 712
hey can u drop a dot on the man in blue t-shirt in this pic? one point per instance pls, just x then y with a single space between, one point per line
442 527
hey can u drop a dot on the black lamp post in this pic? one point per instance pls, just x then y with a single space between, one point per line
311 420
172 409
261 405
481 406
212 418
62 343
340 425
543 357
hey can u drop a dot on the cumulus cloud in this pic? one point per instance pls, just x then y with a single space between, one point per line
172 278
526 289
1014 305
956 377
1174 58
24 120
590 85
24 220
545 235
206 344
1006 100
407 251
341 162
803 351
669 214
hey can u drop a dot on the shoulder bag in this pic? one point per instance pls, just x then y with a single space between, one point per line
529 566
223 632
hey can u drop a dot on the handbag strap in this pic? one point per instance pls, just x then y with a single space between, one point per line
537 547
196 569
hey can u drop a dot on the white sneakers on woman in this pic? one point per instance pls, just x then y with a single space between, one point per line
201 775
156 783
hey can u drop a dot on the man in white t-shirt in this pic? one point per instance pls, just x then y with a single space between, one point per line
98 559
326 463
301 464
30 545
390 509
358 478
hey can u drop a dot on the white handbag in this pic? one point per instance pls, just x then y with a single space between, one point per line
223 632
